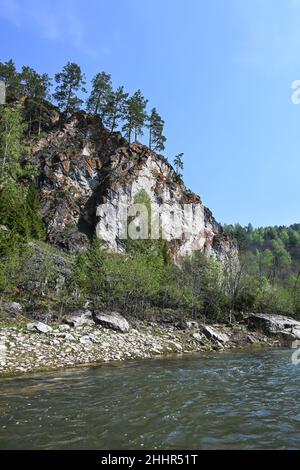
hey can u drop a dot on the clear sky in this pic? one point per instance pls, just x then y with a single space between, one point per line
219 72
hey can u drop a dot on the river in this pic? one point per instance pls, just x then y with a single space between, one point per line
234 400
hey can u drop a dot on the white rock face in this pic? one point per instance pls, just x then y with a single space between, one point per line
181 222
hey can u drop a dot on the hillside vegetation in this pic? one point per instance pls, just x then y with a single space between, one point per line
143 282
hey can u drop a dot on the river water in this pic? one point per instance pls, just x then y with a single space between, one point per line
236 400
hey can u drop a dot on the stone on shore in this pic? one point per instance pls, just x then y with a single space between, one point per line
213 334
112 320
80 318
275 325
39 327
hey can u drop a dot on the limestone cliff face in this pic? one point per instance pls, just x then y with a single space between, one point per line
88 174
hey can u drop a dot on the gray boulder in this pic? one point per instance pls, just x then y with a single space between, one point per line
191 324
275 325
39 327
198 336
213 334
80 318
11 308
112 320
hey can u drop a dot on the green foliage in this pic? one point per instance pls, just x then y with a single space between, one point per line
178 163
273 272
37 89
156 126
32 206
141 278
100 94
12 80
135 115
12 129
19 210
147 245
115 109
69 82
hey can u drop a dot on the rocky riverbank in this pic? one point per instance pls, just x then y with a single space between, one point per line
87 338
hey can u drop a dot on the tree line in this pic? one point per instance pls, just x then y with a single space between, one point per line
270 262
116 108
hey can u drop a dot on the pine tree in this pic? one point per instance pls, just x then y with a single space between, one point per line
135 115
178 163
100 95
116 106
36 87
12 80
156 126
69 82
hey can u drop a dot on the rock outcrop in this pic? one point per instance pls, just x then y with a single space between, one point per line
275 325
88 174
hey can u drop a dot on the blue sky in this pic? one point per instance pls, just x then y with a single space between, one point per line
219 72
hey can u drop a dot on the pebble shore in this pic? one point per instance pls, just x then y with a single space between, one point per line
24 351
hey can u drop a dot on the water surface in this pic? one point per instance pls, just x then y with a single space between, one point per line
221 401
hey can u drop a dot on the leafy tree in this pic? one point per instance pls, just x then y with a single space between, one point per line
135 116
156 126
69 82
116 107
12 80
100 95
266 263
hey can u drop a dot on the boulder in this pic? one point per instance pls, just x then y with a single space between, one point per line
198 336
275 325
86 340
112 320
11 308
69 337
213 334
80 318
39 327
64 328
192 324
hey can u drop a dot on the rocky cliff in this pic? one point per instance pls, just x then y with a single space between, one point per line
87 175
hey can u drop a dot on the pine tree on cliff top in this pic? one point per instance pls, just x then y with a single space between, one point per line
37 88
156 126
116 108
12 80
69 82
178 162
135 115
100 94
